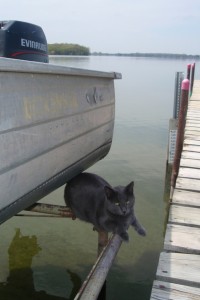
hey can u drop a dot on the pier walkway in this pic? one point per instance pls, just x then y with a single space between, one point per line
178 272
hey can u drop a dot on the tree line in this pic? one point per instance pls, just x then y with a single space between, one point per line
75 49
67 49
156 55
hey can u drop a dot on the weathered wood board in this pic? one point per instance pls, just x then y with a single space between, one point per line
191 147
192 155
188 184
179 268
189 173
186 198
192 163
171 291
191 125
192 140
189 132
183 239
184 215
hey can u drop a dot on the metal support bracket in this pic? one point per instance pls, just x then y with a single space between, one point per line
50 210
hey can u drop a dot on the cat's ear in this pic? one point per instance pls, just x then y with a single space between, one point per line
110 193
129 188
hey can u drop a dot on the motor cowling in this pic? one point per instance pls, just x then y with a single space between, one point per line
21 40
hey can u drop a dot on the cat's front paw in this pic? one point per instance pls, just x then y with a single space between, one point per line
124 236
141 231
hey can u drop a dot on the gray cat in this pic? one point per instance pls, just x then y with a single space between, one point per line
93 200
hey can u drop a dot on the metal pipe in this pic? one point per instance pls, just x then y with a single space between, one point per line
102 242
51 209
95 280
180 132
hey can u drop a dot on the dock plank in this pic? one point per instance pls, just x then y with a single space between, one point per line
189 173
191 163
190 154
193 123
186 198
183 239
171 291
184 215
193 126
193 116
179 268
191 148
192 119
193 103
189 141
188 184
193 111
189 132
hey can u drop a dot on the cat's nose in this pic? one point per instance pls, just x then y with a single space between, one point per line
124 211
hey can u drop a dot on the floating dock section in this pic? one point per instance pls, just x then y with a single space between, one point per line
178 272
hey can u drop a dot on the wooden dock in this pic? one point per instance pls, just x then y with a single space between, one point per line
178 272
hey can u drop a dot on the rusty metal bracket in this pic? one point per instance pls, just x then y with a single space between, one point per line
50 210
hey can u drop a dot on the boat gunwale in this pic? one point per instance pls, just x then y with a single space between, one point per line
22 66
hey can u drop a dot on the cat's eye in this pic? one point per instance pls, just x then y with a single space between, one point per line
127 202
117 203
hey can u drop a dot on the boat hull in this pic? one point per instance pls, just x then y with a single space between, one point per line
55 122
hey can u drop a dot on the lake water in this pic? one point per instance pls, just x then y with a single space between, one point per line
48 258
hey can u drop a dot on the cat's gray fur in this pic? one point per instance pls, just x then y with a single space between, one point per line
93 200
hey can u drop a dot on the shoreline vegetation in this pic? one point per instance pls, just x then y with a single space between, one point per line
75 49
67 49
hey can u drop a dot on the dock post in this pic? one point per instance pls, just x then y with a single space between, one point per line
180 133
192 78
188 71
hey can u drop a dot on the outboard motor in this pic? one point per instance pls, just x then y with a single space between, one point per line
21 40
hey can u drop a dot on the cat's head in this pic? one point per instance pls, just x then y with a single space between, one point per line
120 199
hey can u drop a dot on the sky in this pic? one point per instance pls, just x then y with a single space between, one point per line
114 26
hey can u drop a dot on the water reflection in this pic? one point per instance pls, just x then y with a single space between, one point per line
20 282
131 278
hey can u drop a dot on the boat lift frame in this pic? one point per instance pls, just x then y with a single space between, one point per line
94 285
